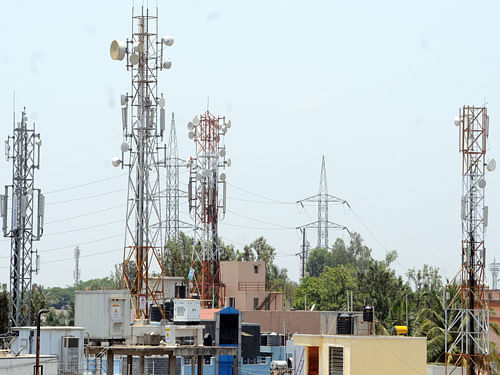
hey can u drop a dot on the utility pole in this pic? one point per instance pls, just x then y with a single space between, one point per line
323 199
466 312
304 253
205 180
26 216
143 133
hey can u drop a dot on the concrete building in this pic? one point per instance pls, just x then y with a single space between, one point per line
246 286
360 355
494 304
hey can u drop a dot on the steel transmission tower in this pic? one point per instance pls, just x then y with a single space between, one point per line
466 312
208 133
323 199
304 253
77 271
26 216
173 192
142 134
495 269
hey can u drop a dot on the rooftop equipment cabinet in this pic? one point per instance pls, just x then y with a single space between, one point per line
104 313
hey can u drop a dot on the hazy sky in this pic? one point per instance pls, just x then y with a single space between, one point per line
372 85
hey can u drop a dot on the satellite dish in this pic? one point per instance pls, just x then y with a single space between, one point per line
206 173
222 177
491 166
124 147
167 64
482 183
134 59
38 141
196 121
228 124
116 161
191 135
123 99
222 152
117 50
199 177
161 102
168 40
190 125
456 120
228 162
139 47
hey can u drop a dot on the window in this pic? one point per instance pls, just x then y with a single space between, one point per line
255 303
232 302
255 269
336 360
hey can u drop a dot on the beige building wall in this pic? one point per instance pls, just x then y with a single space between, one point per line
387 355
245 282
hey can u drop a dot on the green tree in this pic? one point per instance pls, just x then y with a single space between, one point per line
4 310
318 259
265 253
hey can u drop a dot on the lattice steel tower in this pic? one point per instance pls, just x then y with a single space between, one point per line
466 312
208 133
495 269
142 134
77 271
172 220
323 199
26 216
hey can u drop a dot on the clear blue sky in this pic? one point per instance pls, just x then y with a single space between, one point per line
373 86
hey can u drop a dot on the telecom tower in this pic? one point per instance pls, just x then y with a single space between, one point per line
495 269
77 271
208 131
173 192
323 199
26 216
466 312
143 253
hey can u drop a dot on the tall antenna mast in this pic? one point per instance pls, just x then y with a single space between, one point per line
142 136
26 216
323 199
495 269
77 271
172 192
466 313
208 131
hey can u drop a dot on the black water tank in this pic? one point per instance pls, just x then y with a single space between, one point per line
155 315
344 324
180 290
169 310
368 314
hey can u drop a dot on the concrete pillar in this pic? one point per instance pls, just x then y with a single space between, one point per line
171 364
200 364
141 365
111 362
193 364
129 365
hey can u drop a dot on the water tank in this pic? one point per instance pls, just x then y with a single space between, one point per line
180 290
344 324
155 315
368 314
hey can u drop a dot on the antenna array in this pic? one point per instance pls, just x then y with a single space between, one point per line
143 250
466 312
26 216
208 131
